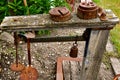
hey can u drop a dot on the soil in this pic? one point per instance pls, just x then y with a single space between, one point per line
44 56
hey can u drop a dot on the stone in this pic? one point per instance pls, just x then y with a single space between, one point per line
109 46
5 36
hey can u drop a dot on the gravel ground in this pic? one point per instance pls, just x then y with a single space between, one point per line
44 56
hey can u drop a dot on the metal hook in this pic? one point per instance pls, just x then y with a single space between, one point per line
76 39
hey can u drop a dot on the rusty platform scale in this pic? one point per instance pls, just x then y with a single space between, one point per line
95 35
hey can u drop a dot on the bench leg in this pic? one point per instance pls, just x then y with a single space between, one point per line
95 51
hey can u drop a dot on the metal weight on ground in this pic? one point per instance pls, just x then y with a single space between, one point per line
29 73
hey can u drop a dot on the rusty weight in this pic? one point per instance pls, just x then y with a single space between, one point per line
17 67
87 10
60 14
74 51
103 16
29 73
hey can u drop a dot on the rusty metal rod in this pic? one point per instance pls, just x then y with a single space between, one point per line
53 38
28 49
57 39
16 47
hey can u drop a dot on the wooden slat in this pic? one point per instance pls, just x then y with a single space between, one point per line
115 65
66 70
59 74
43 21
94 35
95 55
71 70
75 73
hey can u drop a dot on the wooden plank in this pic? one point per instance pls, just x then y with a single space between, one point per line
92 41
75 71
95 54
66 70
115 65
43 21
59 74
71 70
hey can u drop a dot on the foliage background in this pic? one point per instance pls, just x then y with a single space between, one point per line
3 9
17 7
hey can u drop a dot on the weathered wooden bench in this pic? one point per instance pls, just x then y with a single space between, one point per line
95 36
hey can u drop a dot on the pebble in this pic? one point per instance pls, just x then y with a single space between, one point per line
24 57
5 36
5 69
58 43
6 57
54 62
109 47
42 72
46 67
3 46
35 45
64 43
33 57
8 62
20 42
52 54
66 55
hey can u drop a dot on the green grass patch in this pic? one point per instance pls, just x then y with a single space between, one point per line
115 38
106 58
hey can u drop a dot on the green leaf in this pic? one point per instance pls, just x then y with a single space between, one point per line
15 1
19 3
12 4
2 9
11 7
1 3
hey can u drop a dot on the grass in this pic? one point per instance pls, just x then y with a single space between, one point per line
114 5
115 38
